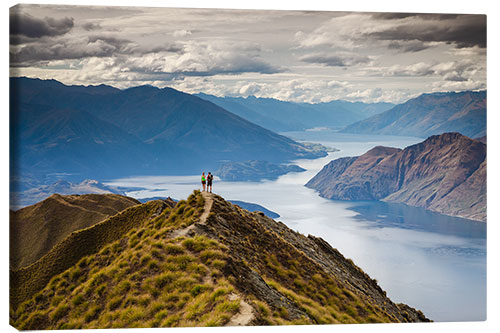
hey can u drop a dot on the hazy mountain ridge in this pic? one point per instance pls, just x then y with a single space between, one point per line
197 262
430 114
20 198
253 207
58 128
283 116
445 173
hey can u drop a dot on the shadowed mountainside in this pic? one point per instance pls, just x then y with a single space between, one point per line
103 132
197 262
445 173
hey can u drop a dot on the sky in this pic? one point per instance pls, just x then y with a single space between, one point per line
301 56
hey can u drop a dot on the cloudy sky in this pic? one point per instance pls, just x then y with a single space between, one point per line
305 56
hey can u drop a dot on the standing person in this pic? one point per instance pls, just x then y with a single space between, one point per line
210 178
203 180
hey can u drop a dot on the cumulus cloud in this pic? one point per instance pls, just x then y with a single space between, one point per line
458 85
181 33
371 95
250 89
297 90
452 75
205 59
451 70
300 90
416 69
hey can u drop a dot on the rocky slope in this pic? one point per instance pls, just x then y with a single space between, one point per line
430 114
197 262
445 173
34 230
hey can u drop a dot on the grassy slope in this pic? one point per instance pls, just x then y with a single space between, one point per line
34 230
144 276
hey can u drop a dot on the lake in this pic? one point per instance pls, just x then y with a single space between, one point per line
432 262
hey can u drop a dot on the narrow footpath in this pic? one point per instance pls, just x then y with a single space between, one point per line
245 314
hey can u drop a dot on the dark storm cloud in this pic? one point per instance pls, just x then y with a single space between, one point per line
335 60
398 16
20 39
66 49
26 25
460 30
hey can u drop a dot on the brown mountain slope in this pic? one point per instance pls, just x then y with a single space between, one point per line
202 262
34 230
445 173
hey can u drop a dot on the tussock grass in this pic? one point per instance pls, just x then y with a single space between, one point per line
26 281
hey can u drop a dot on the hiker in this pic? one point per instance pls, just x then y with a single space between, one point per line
210 178
203 180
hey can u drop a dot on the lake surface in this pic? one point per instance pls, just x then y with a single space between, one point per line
429 261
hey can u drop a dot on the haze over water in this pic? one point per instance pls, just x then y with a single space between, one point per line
429 261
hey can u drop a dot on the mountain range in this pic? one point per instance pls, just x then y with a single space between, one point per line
284 116
445 173
196 262
102 132
430 114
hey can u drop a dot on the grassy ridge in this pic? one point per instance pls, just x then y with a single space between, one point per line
34 230
28 280
149 283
